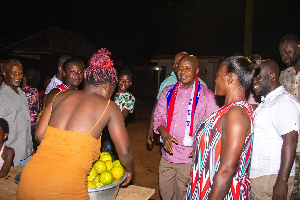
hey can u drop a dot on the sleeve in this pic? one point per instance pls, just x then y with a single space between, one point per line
130 103
286 116
53 83
49 86
281 78
160 113
2 111
125 101
161 87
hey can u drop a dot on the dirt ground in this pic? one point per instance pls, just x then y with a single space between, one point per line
146 160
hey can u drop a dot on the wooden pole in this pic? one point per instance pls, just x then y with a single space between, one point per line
248 28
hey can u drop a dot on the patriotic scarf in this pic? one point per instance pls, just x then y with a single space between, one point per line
171 98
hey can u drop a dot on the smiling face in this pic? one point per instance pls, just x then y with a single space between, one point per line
73 75
124 83
187 70
290 53
13 75
261 82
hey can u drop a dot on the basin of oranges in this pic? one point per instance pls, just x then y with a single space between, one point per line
105 171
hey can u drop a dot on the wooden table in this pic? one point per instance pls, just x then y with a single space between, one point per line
8 188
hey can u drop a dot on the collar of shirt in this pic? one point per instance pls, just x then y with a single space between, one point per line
272 95
173 73
10 91
182 87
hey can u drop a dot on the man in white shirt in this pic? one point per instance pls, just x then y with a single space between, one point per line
276 128
58 78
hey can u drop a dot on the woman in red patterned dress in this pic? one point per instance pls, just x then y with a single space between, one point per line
223 141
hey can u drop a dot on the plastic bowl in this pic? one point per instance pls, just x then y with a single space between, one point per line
108 192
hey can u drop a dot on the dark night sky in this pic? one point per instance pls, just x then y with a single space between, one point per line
134 32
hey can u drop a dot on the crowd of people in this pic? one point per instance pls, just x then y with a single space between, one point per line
241 149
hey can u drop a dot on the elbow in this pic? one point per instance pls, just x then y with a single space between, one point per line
126 154
227 173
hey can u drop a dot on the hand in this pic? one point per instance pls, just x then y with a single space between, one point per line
128 179
280 190
191 155
168 139
149 137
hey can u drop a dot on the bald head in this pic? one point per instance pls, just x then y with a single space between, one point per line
62 59
268 78
178 56
187 70
191 59
271 67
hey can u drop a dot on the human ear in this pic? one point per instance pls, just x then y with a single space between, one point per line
272 76
60 69
5 136
106 85
229 78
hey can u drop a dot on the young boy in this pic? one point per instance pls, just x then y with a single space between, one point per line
6 153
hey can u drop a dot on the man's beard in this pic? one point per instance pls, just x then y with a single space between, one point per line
293 60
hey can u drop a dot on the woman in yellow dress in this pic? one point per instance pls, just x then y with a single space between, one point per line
70 134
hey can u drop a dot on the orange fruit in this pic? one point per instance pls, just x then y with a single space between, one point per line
99 166
109 165
91 184
106 157
97 181
106 178
103 153
92 175
117 163
117 172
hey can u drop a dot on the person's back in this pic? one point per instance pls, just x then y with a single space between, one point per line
69 118
66 137
70 134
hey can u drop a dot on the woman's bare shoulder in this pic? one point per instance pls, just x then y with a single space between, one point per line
8 151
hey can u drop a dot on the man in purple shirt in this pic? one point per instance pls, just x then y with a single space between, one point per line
180 108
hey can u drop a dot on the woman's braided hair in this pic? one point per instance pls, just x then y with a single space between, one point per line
101 69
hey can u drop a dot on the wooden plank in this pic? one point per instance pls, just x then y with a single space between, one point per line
133 192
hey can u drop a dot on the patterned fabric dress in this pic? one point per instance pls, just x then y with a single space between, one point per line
125 101
32 96
206 159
